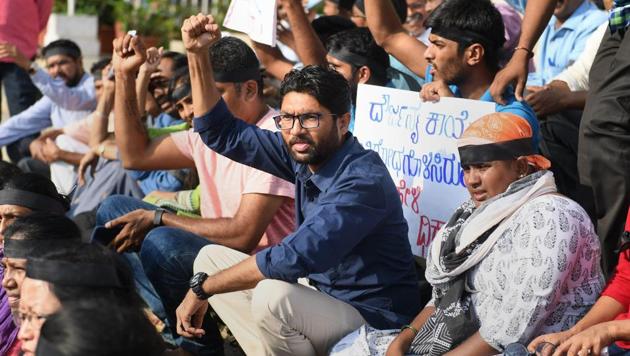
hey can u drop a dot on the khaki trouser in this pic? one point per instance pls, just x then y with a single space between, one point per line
276 317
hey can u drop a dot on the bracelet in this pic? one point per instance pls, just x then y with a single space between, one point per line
530 54
414 330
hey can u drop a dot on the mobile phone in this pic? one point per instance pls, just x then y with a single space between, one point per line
104 236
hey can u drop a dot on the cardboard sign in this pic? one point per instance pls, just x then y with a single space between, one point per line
256 18
418 143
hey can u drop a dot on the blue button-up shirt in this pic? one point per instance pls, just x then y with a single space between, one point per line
59 106
352 237
560 47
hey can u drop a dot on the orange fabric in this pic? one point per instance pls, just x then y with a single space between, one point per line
501 127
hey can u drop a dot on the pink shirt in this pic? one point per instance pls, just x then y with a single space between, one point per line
21 21
223 182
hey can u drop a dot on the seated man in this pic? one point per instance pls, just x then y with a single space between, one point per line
564 38
69 95
462 60
351 242
241 207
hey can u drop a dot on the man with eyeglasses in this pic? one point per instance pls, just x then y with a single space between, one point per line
351 243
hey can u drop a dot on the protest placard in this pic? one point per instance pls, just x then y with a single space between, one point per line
417 142
256 18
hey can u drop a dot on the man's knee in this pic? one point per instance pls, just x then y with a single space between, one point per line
209 259
115 206
270 299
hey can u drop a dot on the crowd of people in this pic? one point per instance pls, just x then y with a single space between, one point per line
216 201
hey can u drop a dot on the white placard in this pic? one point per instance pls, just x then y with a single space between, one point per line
256 18
417 142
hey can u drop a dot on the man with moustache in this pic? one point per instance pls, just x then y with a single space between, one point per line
351 242
68 95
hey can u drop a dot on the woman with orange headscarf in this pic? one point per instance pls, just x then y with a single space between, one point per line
515 261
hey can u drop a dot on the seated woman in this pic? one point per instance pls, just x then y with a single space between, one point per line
516 261
607 324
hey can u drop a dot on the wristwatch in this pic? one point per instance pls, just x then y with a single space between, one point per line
157 218
196 284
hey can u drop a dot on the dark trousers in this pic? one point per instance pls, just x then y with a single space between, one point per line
559 144
20 93
604 142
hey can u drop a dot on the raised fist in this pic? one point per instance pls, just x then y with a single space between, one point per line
199 32
129 54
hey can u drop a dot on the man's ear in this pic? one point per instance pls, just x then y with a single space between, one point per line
474 54
364 74
250 89
343 122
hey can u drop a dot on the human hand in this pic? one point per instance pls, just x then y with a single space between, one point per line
135 226
588 342
50 151
515 71
548 99
9 50
108 81
90 159
35 147
190 315
154 55
199 32
553 339
435 90
129 54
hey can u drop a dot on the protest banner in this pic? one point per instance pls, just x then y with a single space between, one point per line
417 142
256 18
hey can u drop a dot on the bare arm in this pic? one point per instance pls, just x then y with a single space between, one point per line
537 15
198 33
473 346
273 60
100 117
402 342
241 232
144 76
308 47
389 33
137 151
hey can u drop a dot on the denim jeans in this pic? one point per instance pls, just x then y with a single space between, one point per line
21 94
163 269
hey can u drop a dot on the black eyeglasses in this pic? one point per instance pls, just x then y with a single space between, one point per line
309 120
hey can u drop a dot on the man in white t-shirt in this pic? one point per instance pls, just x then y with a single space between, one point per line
241 207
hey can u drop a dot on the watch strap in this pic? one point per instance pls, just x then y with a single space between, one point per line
157 218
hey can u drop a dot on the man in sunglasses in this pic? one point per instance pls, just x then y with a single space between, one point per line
351 242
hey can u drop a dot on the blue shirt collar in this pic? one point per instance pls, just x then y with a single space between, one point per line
325 175
574 21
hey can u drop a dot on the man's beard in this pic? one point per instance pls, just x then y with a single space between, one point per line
73 82
316 154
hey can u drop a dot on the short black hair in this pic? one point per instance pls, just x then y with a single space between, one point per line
326 85
179 60
97 329
360 41
326 26
73 49
96 254
230 54
36 183
43 226
478 17
400 6
8 171
98 66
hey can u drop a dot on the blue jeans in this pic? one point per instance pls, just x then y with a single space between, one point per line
163 274
21 94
